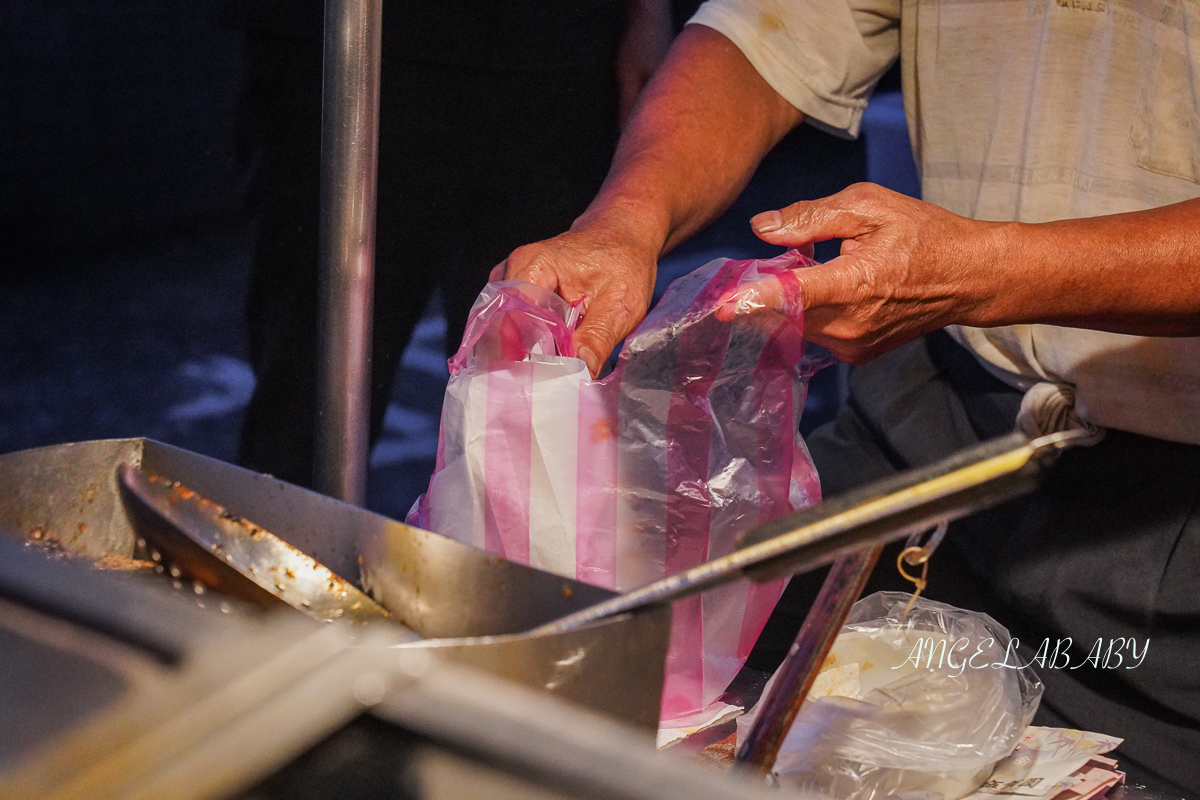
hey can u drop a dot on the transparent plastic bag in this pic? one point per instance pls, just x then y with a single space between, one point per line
928 705
691 440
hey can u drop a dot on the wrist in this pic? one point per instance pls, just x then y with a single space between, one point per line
638 225
998 284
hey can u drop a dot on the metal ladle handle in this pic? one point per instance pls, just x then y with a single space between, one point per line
969 481
795 677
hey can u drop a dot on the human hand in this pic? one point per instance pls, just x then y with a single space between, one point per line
643 47
906 268
611 279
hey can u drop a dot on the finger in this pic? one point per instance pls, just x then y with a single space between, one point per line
811 288
499 272
826 284
750 298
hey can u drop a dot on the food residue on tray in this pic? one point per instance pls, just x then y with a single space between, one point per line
52 548
47 545
112 561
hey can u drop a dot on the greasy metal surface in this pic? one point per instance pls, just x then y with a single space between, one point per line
421 577
794 678
38 654
186 714
253 699
349 155
69 494
406 569
616 673
74 641
543 741
877 513
435 586
202 541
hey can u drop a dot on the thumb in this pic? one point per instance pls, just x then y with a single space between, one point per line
809 221
604 325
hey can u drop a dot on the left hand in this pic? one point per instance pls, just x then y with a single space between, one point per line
599 265
906 268
643 47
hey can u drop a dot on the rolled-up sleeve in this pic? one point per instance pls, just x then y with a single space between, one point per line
822 56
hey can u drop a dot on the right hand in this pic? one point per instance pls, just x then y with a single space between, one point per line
610 278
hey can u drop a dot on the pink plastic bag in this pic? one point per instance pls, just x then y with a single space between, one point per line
690 441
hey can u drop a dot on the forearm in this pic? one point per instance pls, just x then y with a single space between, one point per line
695 138
1136 273
696 135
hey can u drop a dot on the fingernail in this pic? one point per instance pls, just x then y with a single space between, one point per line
589 358
767 221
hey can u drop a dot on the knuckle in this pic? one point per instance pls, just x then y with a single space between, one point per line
857 191
522 259
796 212
539 263
872 190
867 196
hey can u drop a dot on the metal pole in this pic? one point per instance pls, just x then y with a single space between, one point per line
349 154
795 678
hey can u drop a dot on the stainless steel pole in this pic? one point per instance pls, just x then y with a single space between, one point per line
349 155
794 679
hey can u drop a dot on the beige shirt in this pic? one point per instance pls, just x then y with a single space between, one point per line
1029 110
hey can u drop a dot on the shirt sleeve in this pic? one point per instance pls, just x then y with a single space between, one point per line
822 56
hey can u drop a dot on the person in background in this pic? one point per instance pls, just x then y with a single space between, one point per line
498 119
1050 280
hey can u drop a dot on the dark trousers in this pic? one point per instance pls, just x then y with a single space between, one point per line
473 162
1107 549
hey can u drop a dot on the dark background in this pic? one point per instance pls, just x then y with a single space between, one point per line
125 239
